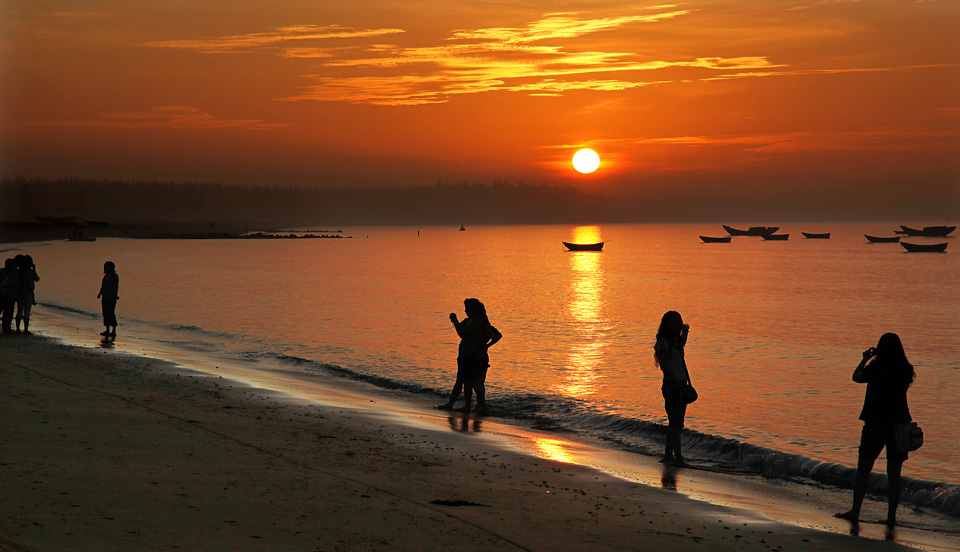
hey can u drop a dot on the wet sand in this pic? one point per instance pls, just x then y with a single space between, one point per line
108 451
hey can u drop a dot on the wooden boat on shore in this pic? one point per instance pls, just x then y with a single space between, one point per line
813 236
708 239
776 237
752 231
878 239
924 247
583 246
926 231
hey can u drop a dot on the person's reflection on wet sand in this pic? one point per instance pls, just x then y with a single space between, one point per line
464 423
668 478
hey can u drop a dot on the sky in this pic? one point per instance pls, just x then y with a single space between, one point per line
841 99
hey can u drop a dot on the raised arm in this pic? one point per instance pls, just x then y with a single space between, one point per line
463 326
859 375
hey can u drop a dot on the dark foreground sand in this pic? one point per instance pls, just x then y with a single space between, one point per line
102 451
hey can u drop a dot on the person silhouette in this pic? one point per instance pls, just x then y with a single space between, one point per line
109 295
888 374
477 335
668 356
26 299
9 282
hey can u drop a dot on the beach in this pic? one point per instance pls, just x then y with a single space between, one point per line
110 451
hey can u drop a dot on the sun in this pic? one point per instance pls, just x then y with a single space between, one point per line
586 161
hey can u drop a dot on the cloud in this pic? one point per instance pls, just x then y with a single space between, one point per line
757 74
252 41
561 25
881 138
513 59
167 117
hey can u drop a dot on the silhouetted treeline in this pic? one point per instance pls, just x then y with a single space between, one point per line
166 202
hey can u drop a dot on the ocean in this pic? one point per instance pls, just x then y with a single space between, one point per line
777 328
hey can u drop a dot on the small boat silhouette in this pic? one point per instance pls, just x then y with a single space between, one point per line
927 231
708 239
583 246
878 239
813 236
752 231
923 247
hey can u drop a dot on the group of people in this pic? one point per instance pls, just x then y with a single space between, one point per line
18 280
884 368
18 284
477 335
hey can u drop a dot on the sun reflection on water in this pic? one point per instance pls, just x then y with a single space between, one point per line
586 310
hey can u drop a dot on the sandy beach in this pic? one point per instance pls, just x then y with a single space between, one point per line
110 451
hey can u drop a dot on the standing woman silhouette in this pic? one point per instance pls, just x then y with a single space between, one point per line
888 376
668 355
109 295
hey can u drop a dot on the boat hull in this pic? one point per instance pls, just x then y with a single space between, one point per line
880 239
924 247
708 239
927 231
583 246
813 236
752 231
776 237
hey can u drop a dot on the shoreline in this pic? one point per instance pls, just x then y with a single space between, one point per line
179 449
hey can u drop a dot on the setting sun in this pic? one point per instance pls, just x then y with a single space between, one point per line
586 161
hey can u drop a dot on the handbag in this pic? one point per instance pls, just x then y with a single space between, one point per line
689 393
907 437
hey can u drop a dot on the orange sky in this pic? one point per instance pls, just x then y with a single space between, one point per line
841 94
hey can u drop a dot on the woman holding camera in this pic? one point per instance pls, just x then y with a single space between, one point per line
668 356
888 374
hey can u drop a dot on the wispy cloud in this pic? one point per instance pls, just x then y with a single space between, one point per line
252 41
160 117
881 138
798 72
513 59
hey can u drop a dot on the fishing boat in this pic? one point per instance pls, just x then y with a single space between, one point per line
79 236
462 229
708 239
776 237
813 236
752 231
924 247
926 231
877 239
583 246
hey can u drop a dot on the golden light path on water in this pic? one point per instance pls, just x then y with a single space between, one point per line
586 308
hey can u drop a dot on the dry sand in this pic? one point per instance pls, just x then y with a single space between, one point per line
105 451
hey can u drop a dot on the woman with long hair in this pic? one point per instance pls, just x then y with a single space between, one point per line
888 374
668 356
477 335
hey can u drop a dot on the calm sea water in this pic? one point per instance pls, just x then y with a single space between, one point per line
776 327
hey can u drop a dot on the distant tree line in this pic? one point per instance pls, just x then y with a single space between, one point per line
129 202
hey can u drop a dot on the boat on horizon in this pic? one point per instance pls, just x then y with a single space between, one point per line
708 239
583 246
814 236
776 237
926 231
879 239
752 231
924 247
